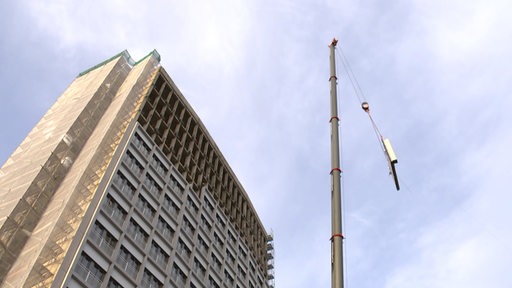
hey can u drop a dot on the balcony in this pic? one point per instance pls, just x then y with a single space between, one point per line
133 166
188 231
124 187
145 210
184 253
88 277
159 259
178 279
200 272
148 284
173 211
114 214
216 266
154 190
102 243
127 191
165 231
131 268
139 238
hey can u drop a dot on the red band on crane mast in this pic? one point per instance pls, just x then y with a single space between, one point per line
337 235
336 169
333 76
334 117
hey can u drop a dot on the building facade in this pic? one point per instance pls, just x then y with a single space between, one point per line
120 185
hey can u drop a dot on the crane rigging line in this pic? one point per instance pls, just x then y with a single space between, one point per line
384 144
359 93
351 76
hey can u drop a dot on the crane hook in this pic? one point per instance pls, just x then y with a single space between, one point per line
366 107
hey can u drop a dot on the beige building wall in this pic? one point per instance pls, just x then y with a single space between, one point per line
48 182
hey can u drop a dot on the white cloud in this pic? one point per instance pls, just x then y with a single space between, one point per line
471 247
213 32
435 73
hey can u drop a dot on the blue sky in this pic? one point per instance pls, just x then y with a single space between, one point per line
436 74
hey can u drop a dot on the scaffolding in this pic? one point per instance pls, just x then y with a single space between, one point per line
65 185
270 260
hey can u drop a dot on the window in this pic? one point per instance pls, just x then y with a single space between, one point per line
220 221
178 276
208 204
203 247
188 227
175 185
159 255
149 280
152 186
242 252
260 282
192 206
126 188
170 206
112 283
241 272
183 249
128 262
216 262
205 224
212 283
114 210
133 164
217 241
88 271
137 233
164 228
231 258
229 279
159 166
140 144
145 208
102 238
231 238
199 268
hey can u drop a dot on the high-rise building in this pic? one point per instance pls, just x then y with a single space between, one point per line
120 185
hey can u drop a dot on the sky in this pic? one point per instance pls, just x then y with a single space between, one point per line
437 77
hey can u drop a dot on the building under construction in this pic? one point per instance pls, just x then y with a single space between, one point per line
120 185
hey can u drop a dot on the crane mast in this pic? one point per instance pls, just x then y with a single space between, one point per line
337 265
337 235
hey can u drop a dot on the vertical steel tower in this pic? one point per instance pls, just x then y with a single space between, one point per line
337 235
